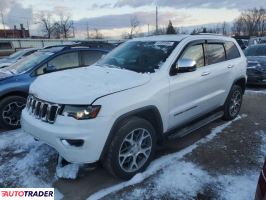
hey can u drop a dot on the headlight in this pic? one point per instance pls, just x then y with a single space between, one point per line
81 112
253 64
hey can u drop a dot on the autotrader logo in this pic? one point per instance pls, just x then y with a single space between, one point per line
27 193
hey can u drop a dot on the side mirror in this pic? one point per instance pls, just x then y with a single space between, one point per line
49 68
186 65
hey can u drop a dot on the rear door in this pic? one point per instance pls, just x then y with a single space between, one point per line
218 73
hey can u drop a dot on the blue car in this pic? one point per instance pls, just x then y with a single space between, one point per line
13 58
16 79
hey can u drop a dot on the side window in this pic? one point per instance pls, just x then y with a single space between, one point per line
232 51
39 71
216 53
65 61
90 57
29 53
195 53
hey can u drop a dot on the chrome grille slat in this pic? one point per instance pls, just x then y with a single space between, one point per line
43 110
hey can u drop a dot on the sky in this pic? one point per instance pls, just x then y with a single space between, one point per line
112 17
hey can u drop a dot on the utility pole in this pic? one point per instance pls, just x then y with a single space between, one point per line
74 36
28 26
156 19
88 33
148 29
3 22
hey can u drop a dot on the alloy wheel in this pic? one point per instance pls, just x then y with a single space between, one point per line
12 112
135 150
235 103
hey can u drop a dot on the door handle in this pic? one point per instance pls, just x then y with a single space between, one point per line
205 73
230 66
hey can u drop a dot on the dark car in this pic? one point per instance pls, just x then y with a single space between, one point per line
261 187
241 43
13 58
16 79
256 70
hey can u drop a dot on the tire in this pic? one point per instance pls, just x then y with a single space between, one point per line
233 103
122 144
10 111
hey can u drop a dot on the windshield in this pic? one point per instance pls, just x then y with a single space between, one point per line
17 54
139 56
256 51
29 62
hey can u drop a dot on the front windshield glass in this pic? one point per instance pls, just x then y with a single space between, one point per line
17 54
139 56
29 62
256 51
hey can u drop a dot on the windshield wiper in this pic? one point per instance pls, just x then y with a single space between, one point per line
12 71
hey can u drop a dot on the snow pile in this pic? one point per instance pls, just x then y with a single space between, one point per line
169 180
69 171
28 159
183 176
256 91
25 162
238 187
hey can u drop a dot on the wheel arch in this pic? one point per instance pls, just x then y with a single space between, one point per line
14 93
241 82
149 113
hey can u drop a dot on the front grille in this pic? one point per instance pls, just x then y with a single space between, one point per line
43 110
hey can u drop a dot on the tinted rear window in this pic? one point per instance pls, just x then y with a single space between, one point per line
90 57
216 53
231 51
5 45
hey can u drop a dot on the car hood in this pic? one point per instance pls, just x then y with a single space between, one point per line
257 58
3 60
5 74
5 64
260 59
84 85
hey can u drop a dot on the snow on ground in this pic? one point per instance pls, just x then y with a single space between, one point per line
185 180
179 179
255 91
25 162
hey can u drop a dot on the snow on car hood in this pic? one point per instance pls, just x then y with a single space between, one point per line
84 85
5 74
5 64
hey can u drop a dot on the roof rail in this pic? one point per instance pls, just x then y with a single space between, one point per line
216 34
86 44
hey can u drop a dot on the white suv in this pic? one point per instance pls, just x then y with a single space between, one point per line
147 89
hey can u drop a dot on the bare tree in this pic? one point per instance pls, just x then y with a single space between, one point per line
251 22
46 23
97 34
134 27
66 25
57 30
238 27
224 28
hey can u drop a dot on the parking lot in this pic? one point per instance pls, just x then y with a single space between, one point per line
219 161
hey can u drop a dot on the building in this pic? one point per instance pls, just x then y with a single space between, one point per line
15 33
